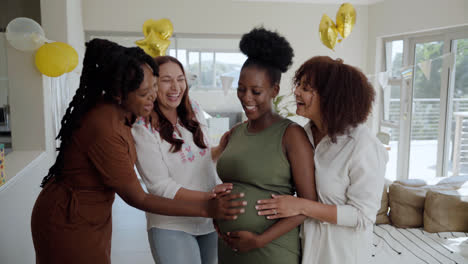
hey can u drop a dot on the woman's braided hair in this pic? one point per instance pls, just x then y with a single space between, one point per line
109 70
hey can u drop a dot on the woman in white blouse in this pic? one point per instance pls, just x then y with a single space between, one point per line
175 161
349 164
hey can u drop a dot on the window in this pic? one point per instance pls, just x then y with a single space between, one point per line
425 103
208 57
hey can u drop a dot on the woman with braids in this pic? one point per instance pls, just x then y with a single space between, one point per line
175 160
349 164
71 220
266 155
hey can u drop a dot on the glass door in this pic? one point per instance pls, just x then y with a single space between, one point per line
391 83
425 118
457 149
425 106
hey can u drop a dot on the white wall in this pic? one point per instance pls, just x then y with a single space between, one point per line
33 98
25 87
298 22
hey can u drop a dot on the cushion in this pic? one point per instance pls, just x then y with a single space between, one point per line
407 198
407 204
382 214
446 211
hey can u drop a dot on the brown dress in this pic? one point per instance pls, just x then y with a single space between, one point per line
72 219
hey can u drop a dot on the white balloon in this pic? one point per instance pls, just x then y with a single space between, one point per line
25 34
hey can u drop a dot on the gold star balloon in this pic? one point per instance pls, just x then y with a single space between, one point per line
345 19
163 27
153 45
328 32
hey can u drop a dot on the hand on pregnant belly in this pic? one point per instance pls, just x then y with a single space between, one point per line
226 206
243 241
280 206
250 220
222 188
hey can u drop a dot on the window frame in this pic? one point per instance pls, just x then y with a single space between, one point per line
448 36
175 39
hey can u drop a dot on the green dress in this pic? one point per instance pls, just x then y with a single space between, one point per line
256 165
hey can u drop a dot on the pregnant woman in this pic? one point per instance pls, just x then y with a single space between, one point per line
266 155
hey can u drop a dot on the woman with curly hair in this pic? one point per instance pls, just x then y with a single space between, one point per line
349 164
266 155
72 217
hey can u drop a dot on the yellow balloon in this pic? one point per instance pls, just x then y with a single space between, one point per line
162 26
328 32
70 54
345 19
56 58
153 45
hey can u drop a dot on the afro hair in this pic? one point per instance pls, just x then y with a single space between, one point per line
268 48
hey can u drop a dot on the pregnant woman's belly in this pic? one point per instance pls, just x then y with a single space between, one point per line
250 220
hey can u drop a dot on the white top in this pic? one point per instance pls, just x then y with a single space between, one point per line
350 174
164 172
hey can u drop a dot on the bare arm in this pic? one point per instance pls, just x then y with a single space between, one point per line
220 208
191 195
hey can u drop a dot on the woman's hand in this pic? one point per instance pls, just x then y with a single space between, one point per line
221 188
280 206
218 150
243 241
222 207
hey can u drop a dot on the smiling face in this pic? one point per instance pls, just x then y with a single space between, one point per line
256 92
140 102
307 100
171 86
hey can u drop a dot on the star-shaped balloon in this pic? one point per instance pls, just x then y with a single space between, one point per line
163 27
157 34
345 21
153 45
328 32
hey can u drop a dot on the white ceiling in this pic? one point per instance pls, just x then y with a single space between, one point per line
354 2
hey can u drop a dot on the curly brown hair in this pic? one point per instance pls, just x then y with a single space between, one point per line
345 93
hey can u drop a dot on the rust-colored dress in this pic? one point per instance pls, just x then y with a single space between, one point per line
72 219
